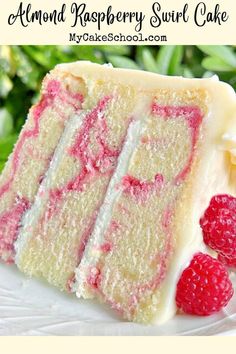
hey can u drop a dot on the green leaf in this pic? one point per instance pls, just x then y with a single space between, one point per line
2 164
122 62
176 59
18 102
40 56
222 52
6 146
216 64
148 60
26 70
5 84
6 123
207 74
83 52
115 49
164 57
187 73
138 55
7 62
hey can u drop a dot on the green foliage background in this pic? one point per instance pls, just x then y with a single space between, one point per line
23 67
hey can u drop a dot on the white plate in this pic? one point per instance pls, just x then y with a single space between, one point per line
30 307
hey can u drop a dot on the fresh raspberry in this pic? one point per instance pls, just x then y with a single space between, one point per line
219 225
204 286
228 261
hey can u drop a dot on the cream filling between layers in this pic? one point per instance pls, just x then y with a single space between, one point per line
33 214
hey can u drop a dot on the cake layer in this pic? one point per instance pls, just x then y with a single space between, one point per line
33 151
126 188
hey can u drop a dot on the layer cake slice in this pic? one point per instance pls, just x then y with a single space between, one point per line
122 198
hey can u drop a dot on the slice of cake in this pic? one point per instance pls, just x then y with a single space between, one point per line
128 183
61 98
